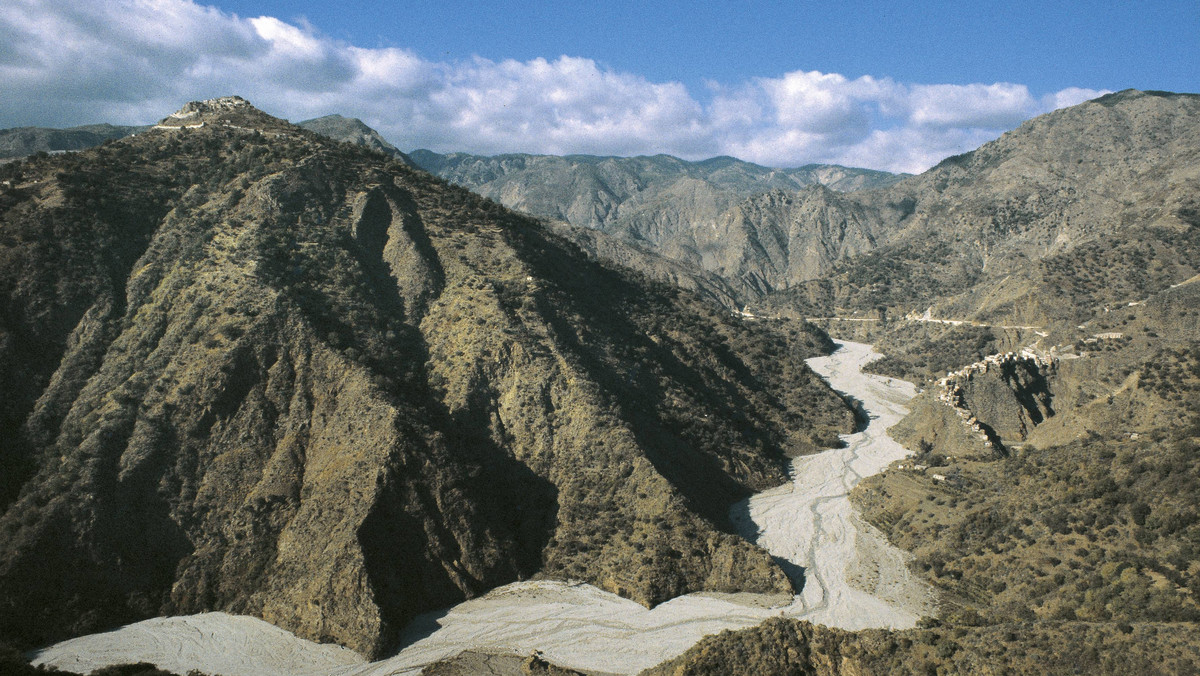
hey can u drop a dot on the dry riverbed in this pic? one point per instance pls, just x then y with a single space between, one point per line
852 578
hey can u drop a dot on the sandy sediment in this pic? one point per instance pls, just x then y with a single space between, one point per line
215 643
852 579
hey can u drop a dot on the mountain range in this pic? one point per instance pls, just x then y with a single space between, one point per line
324 387
705 215
825 239
250 368
982 234
23 141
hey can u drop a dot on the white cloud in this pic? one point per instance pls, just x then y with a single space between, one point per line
993 106
561 106
1070 96
66 62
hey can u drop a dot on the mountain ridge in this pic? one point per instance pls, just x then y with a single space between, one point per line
22 141
677 209
261 371
353 130
967 233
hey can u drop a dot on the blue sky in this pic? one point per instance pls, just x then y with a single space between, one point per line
1048 45
882 85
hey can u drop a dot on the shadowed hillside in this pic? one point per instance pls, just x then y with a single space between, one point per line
255 370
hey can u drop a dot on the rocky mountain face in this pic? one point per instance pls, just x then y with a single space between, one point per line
704 215
23 141
777 240
1065 213
641 259
249 368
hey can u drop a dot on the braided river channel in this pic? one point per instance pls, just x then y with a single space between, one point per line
849 577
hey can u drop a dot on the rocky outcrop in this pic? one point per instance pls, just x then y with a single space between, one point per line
983 408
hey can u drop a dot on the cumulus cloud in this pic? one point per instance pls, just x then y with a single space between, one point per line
969 106
65 62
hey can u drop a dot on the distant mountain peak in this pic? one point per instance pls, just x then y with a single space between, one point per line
353 130
336 122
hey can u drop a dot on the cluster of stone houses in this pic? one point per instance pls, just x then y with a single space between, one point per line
950 388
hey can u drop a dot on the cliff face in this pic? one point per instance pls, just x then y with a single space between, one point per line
982 408
1010 400
258 371
1002 397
